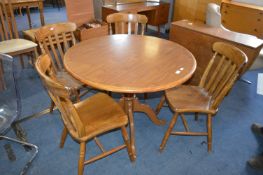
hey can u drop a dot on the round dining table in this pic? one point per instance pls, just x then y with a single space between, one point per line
130 64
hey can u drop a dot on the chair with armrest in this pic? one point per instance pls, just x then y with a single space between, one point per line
55 40
10 104
86 119
216 82
10 42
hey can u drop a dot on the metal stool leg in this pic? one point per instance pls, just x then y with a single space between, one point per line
24 170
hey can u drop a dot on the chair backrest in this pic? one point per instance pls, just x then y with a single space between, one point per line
222 71
55 40
124 23
8 27
10 104
61 97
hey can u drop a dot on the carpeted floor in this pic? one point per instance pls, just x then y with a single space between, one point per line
233 142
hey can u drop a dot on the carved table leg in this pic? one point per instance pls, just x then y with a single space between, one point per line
128 106
131 104
139 107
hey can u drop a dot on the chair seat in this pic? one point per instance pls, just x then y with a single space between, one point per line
189 99
100 114
30 34
67 80
15 45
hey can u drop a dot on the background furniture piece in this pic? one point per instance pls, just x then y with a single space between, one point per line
30 3
87 119
156 65
197 37
194 10
122 23
10 42
10 105
55 40
156 12
243 17
81 12
219 77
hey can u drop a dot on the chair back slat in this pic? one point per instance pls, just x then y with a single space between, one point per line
136 28
125 23
212 78
8 27
55 40
61 96
53 48
222 71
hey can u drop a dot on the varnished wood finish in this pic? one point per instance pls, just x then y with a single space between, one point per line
130 64
80 12
9 34
156 12
30 3
217 80
55 40
135 23
197 37
194 10
242 17
86 119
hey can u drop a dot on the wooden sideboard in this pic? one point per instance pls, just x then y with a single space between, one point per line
156 12
199 38
242 17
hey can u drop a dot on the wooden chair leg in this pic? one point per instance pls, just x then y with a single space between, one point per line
63 137
82 154
196 116
22 61
209 131
52 105
28 17
127 143
145 95
78 95
160 105
169 130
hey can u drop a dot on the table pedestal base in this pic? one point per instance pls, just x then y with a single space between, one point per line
130 104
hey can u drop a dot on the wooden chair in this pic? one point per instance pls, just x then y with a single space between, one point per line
217 80
55 40
124 23
87 119
10 43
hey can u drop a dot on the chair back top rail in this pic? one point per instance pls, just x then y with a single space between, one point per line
222 71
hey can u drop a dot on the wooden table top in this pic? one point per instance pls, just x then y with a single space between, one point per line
240 38
130 63
137 6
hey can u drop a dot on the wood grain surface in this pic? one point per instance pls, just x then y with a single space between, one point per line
130 63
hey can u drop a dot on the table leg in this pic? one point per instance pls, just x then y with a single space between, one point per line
131 104
139 107
41 12
128 107
28 16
